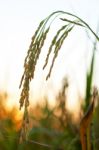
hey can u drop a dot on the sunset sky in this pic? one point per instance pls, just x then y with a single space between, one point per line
18 21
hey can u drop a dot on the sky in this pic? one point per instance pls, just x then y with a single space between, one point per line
19 20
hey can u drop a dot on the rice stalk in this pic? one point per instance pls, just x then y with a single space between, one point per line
76 22
58 45
34 51
29 68
53 43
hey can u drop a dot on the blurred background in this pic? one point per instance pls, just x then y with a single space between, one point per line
55 105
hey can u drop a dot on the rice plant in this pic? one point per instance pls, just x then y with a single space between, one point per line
32 57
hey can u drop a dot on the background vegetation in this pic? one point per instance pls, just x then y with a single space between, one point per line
49 128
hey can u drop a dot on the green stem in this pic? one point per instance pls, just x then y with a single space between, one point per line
63 12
